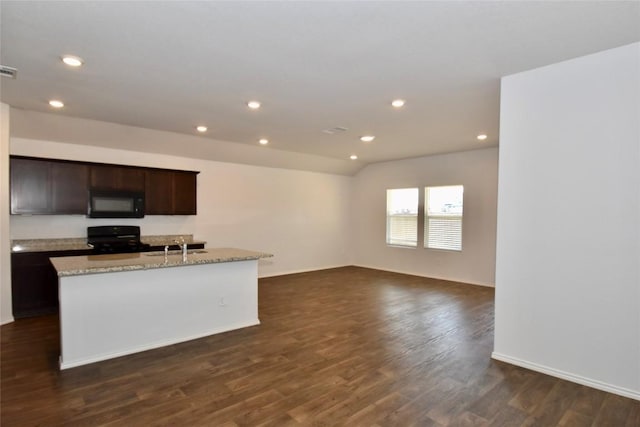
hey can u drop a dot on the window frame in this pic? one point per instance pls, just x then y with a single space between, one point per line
389 239
435 217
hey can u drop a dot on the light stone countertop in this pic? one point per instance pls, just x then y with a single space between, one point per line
110 263
80 243
46 245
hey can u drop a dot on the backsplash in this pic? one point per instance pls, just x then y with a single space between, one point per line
75 226
73 243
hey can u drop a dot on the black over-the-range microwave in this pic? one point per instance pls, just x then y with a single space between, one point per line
115 204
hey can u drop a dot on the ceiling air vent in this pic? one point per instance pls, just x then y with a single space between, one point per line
8 72
334 130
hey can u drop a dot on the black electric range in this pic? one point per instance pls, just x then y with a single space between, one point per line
116 239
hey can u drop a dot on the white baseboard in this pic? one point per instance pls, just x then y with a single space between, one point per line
413 273
284 273
7 321
633 394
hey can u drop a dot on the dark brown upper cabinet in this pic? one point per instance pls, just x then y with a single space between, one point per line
184 193
47 186
169 192
158 192
112 177
40 186
30 186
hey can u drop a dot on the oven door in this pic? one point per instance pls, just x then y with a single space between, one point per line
115 204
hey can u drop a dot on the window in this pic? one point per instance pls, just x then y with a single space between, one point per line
402 217
443 217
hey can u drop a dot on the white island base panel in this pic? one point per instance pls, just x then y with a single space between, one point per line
108 315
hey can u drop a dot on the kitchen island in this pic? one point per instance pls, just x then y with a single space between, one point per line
114 305
34 282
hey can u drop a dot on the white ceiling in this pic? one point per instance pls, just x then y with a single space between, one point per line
313 65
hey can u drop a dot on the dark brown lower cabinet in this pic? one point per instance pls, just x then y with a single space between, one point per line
34 282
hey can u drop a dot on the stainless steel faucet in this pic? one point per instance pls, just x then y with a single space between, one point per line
183 246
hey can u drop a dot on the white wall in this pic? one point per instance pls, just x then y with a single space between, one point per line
476 170
28 124
568 247
6 313
300 217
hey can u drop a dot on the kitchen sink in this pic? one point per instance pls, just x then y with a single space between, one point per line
194 251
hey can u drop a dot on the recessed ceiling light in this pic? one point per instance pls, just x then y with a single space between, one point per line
397 103
367 138
201 128
353 157
72 61
56 104
264 141
482 137
254 105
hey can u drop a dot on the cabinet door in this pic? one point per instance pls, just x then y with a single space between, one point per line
110 177
34 285
69 188
42 186
30 186
184 193
32 291
48 187
158 192
34 282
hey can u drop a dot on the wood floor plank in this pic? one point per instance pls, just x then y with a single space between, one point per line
588 401
347 346
533 393
556 403
633 419
614 411
573 418
374 412
490 405
467 419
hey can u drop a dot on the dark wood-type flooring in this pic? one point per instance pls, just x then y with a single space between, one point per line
348 346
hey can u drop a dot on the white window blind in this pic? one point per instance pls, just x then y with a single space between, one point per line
443 217
402 217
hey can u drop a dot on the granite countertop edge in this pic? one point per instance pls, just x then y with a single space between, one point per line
147 262
80 243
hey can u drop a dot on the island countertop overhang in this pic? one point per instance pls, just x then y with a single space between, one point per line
111 263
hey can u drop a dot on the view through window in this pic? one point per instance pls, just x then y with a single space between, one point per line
443 217
402 217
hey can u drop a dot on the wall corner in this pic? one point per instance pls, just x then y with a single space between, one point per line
6 312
